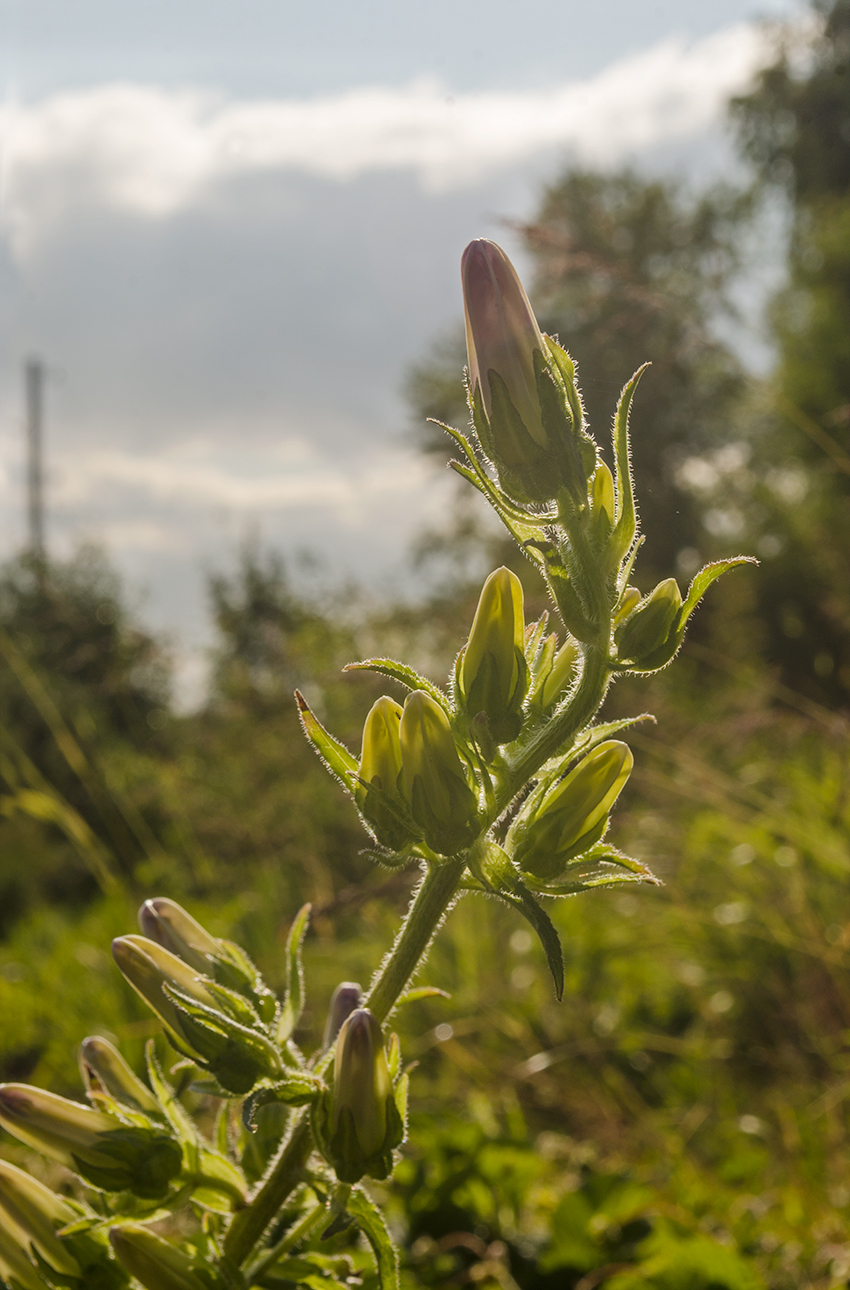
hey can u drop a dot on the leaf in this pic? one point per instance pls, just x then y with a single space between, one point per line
703 581
602 866
335 755
422 992
495 868
293 1003
626 517
372 1225
406 676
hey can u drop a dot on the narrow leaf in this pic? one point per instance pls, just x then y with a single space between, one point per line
293 1004
626 517
335 755
179 1119
406 676
422 992
371 1223
526 905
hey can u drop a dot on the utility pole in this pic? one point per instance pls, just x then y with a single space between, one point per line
34 382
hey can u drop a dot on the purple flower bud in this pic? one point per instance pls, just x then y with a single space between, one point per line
501 331
345 998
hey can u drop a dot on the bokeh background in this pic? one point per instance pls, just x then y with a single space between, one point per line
231 237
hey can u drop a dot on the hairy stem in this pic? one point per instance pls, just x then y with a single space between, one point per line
429 904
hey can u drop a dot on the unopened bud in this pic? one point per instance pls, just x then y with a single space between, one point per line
345 998
573 815
379 796
648 629
560 675
602 496
493 671
104 1071
363 1121
156 1263
442 803
107 1153
31 1213
629 600
520 404
168 924
148 967
16 1268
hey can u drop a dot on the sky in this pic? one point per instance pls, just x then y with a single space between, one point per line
229 229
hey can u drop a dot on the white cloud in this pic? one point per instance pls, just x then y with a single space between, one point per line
151 152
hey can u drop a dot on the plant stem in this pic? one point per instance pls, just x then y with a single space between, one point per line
427 908
429 904
293 1237
586 702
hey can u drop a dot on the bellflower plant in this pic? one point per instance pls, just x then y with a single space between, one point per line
499 784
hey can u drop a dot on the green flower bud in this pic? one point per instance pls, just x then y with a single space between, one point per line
380 768
31 1213
102 1150
345 998
442 803
602 496
521 407
156 1263
16 1267
362 1121
148 967
559 676
104 1071
646 632
213 1026
493 671
629 600
572 816
168 924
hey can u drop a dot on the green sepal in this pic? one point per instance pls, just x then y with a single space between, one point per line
237 1055
602 866
569 604
573 451
387 818
524 467
293 1001
181 1122
335 755
446 837
406 676
146 1161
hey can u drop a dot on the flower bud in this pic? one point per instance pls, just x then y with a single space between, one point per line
629 600
147 966
104 1071
559 677
168 924
363 1121
345 998
16 1267
518 395
380 768
650 625
572 816
442 803
493 671
602 496
31 1213
156 1263
102 1150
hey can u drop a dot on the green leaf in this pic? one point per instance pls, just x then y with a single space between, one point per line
406 676
422 992
495 868
293 1003
335 755
703 581
626 520
179 1119
602 866
372 1225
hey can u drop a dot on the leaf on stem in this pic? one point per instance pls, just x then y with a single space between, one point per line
371 1223
335 755
406 676
293 1003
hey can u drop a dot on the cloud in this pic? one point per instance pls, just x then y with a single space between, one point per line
152 152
